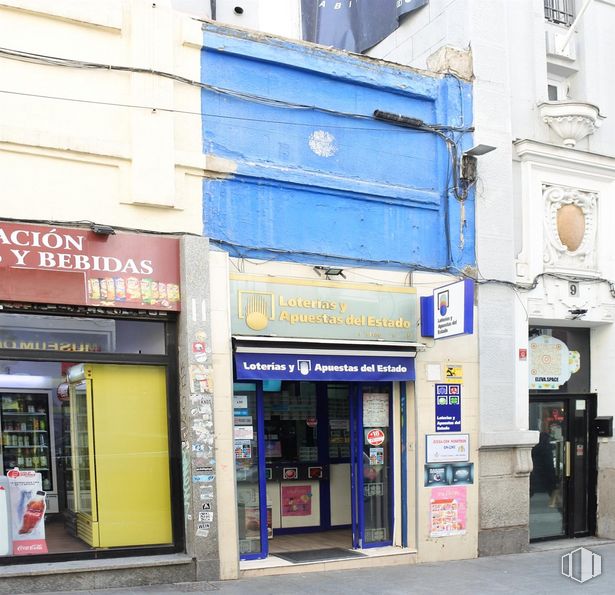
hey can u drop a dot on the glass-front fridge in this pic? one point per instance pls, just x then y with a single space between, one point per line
26 437
119 455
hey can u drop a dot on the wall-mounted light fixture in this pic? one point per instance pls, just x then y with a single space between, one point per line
468 162
102 230
328 272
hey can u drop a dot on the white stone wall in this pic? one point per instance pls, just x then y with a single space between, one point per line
93 144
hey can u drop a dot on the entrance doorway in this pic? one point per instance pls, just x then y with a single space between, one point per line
313 458
563 479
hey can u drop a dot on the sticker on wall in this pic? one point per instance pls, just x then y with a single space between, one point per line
206 493
206 517
447 511
454 374
296 500
200 379
551 363
203 478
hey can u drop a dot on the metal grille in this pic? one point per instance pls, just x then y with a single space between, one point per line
560 11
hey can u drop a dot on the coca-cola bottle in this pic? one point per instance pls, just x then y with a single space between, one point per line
35 511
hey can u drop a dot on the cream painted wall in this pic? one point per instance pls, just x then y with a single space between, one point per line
93 144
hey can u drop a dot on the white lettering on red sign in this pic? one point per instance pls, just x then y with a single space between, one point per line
375 437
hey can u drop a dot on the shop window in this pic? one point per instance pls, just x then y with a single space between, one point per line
84 455
94 335
246 468
291 423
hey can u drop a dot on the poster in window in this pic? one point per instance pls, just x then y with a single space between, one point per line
376 410
297 500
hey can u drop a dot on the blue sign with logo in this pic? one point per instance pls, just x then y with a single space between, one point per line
448 407
287 366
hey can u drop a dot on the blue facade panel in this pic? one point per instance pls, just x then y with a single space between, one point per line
316 178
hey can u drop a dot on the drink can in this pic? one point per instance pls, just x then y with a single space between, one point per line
120 289
94 289
133 289
173 292
110 289
155 294
146 291
103 289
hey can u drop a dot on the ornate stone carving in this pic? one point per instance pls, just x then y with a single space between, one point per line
571 120
570 227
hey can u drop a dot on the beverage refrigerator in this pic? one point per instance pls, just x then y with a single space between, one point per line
119 455
26 437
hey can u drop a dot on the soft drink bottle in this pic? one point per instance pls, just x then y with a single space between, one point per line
35 511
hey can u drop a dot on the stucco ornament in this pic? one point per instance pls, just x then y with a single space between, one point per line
570 227
322 143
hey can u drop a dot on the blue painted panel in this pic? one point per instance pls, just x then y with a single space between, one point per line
322 185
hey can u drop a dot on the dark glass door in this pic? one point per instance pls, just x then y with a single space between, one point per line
562 482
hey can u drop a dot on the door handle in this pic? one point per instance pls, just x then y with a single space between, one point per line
567 465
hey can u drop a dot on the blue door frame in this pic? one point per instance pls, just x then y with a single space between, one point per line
357 432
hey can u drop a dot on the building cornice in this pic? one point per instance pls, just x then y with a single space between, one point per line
558 156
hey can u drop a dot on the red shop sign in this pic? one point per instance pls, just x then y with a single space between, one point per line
58 265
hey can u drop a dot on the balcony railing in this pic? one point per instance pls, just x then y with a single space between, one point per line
560 12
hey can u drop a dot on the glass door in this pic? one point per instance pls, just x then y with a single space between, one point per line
562 482
249 471
82 457
548 485
372 465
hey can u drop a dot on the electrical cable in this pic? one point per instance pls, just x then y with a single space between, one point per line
70 63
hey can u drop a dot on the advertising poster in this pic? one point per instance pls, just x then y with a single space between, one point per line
27 512
449 474
6 544
448 508
297 500
376 456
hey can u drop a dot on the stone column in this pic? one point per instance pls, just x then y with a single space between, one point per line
196 400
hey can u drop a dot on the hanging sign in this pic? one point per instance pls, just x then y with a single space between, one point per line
551 363
449 312
59 265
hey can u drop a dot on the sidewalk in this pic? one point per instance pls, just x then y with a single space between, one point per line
537 572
